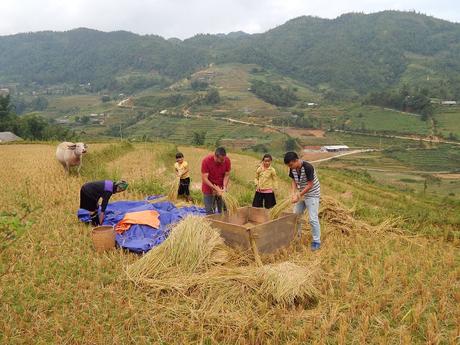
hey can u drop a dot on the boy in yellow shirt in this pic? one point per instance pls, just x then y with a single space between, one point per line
265 184
182 171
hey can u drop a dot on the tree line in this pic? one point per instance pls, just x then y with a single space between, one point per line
32 127
404 99
273 93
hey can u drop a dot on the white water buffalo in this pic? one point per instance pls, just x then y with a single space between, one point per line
69 155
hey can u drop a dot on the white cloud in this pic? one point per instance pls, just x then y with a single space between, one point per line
184 18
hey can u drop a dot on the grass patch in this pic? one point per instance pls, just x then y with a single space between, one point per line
94 163
442 158
148 187
12 227
408 180
448 121
377 119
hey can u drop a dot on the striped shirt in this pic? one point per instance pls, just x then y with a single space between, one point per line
307 173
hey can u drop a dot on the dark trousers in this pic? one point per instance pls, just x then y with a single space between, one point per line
87 202
184 187
266 200
91 205
213 203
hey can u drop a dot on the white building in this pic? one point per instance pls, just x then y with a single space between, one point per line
334 148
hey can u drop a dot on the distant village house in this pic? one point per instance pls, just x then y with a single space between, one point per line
6 137
334 148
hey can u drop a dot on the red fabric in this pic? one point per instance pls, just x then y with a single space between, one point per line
216 172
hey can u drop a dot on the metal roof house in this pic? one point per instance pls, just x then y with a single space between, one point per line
8 136
335 148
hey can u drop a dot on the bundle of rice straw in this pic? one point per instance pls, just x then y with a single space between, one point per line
230 203
288 284
280 207
174 189
338 216
193 246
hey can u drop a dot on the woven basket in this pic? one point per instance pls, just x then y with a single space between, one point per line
103 238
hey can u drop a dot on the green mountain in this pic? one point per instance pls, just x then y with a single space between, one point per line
354 52
349 55
84 55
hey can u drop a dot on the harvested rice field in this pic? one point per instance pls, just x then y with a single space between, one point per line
388 270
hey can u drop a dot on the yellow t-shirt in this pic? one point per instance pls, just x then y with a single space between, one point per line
266 178
180 168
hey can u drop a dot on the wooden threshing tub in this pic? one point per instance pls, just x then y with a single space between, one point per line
269 235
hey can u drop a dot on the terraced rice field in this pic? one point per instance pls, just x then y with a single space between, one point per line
393 281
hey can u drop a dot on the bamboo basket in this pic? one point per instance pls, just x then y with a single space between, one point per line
103 238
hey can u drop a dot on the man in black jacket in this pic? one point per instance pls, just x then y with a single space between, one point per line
91 192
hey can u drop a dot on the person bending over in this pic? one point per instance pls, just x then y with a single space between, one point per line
91 192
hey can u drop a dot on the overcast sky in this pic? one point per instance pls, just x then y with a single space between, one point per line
185 18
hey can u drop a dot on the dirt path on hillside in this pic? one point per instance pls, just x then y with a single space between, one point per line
447 176
403 112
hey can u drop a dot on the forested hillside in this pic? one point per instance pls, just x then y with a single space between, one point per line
90 56
355 52
346 56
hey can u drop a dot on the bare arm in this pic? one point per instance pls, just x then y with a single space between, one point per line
205 179
226 179
307 188
293 187
294 192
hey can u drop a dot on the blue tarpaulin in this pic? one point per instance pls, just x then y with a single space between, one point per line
141 238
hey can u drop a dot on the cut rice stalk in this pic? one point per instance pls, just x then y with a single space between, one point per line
288 284
276 211
231 204
174 189
192 246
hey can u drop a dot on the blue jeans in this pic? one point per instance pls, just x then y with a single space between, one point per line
312 205
213 203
